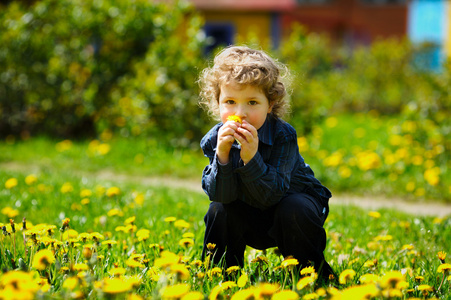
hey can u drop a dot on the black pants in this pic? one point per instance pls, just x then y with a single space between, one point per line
294 225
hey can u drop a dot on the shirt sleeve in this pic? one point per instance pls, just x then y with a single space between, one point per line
218 181
264 184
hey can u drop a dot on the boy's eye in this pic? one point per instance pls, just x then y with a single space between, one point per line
252 102
230 101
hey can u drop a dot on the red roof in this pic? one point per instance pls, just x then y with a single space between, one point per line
271 5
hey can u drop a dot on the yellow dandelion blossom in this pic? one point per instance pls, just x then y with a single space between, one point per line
70 234
19 281
346 276
170 219
367 291
305 282
134 264
266 290
285 295
374 214
10 183
444 268
66 188
167 259
234 119
432 176
244 294
391 279
85 193
180 270
383 238
31 179
80 267
43 259
215 272
174 291
117 271
307 270
85 201
188 235
211 246
181 224
425 288
115 212
70 283
368 278
193 296
290 262
113 191
242 280
10 212
130 220
115 285
186 242
442 256
232 269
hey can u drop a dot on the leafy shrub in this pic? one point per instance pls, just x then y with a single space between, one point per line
64 61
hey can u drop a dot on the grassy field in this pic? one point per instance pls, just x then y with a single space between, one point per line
139 241
94 238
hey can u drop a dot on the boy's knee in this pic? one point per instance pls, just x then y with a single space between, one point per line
298 209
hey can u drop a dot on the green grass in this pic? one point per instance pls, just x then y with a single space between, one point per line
393 242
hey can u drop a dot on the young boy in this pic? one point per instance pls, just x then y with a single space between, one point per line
263 193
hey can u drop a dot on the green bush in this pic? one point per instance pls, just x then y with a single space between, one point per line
63 62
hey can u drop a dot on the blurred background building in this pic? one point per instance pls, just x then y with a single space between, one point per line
347 22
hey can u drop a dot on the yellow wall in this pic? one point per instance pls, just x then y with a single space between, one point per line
258 23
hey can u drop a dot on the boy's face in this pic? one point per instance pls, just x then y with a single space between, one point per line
247 102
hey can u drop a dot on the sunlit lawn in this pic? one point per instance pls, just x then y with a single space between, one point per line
129 239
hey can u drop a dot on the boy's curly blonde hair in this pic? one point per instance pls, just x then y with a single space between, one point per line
244 66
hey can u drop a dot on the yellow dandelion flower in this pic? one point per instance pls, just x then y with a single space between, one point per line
80 267
391 279
304 282
265 290
10 212
186 242
346 276
383 238
67 188
311 296
170 219
438 220
85 201
115 212
130 220
234 119
174 291
181 224
425 288
444 268
134 264
368 278
115 285
70 283
43 259
113 191
193 296
307 270
85 193
374 214
116 271
232 269
216 271
31 179
242 280
10 183
367 291
285 295
19 281
70 234
180 270
442 256
188 235
244 294
97 236
432 176
290 262
211 246
167 259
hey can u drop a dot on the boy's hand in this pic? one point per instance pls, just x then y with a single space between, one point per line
225 140
247 135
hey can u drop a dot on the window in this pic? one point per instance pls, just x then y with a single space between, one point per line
218 34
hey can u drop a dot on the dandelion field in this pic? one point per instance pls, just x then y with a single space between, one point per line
104 240
92 238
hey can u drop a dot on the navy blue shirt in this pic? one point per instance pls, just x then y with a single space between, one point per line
276 170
